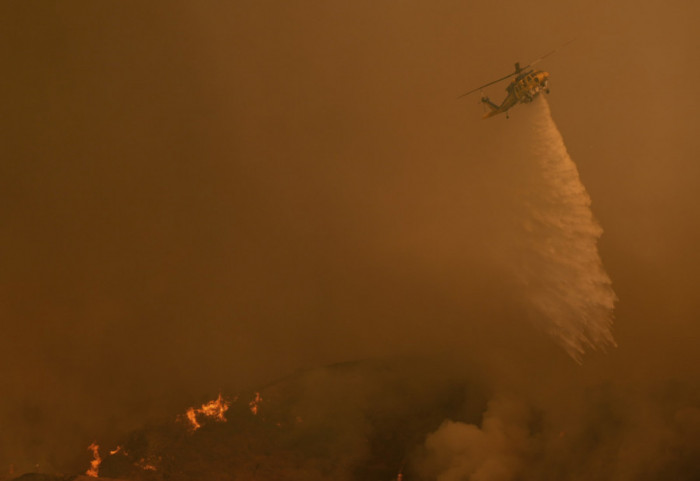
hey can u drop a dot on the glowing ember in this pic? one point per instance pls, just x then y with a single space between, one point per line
255 404
95 463
145 465
213 409
115 451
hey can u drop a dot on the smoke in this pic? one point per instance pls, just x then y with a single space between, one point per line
217 196
559 267
620 433
498 451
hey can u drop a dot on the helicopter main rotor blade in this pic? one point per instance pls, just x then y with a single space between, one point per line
486 85
519 69
538 60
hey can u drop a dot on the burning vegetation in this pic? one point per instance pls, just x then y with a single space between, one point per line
94 469
255 404
372 421
157 452
319 425
214 410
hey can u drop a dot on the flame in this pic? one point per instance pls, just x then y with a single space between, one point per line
255 404
399 476
95 463
119 450
192 418
213 409
145 465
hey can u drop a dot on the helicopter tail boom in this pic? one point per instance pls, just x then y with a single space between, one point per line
493 108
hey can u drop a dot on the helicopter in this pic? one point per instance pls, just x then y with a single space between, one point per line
526 85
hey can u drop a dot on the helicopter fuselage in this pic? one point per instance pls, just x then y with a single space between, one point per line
523 89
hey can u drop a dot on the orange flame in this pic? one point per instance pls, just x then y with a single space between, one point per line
145 465
95 463
213 409
255 404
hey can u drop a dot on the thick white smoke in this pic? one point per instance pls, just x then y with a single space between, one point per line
498 451
558 263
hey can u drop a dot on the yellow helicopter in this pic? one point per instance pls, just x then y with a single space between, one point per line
526 85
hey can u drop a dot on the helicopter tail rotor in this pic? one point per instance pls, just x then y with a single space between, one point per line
483 100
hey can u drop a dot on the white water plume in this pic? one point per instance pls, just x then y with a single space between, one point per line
558 264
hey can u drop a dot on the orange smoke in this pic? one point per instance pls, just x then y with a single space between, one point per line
213 410
96 460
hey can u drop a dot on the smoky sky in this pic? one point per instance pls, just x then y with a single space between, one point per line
204 197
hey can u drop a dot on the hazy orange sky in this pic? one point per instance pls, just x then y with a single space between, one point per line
197 197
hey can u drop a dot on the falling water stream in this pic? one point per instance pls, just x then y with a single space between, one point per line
559 266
